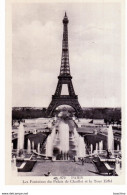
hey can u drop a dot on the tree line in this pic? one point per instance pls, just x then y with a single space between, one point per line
108 114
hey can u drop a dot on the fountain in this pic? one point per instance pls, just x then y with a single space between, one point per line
64 137
97 148
118 147
32 145
100 146
38 148
49 146
20 137
62 142
49 143
28 147
110 140
91 149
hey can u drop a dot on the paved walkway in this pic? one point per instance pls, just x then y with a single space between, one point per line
62 169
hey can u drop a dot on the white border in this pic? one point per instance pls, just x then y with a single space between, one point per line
32 190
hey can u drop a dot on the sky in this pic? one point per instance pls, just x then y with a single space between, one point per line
94 52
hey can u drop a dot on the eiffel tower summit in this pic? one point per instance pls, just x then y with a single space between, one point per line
65 78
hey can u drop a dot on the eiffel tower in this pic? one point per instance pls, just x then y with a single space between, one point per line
64 78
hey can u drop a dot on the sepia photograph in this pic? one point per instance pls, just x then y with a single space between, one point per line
65 115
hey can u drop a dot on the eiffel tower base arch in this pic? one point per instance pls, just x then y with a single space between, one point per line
64 100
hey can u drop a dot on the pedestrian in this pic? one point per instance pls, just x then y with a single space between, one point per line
48 174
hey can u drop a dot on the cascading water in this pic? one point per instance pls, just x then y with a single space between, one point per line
49 146
75 137
81 147
79 144
64 137
110 141
64 143
21 137
56 140
49 143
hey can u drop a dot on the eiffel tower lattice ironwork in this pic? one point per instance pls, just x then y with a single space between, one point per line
64 78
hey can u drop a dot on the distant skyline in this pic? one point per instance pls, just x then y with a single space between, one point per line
94 52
